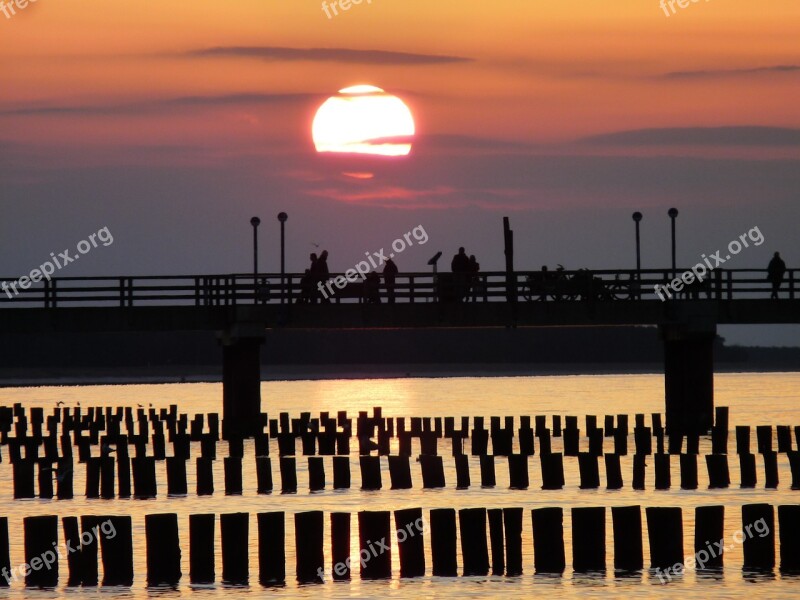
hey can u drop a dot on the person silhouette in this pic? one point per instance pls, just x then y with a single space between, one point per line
460 268
472 283
322 273
312 276
372 291
775 272
389 275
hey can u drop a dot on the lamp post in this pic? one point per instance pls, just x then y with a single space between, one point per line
255 222
637 218
673 213
283 217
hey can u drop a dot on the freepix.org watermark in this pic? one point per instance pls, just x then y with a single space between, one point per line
376 259
10 7
681 4
57 262
331 9
698 273
375 549
48 558
713 550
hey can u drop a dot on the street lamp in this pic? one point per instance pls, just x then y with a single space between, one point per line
637 218
283 217
673 213
255 222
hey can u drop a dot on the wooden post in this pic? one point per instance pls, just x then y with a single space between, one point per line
233 476
487 471
548 540
72 538
590 474
410 525
235 533
613 472
316 474
443 542
264 474
589 539
375 554
271 548
432 471
771 470
117 551
89 552
518 471
341 472
144 477
473 541
400 472
718 473
205 476
789 522
462 472
340 546
688 471
512 523
308 529
709 528
41 539
627 523
176 476
496 537
370 472
758 528
665 532
663 475
201 549
163 550
552 471
288 474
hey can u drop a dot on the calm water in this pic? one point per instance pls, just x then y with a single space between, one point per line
754 399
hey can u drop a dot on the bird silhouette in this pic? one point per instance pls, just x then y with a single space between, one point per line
59 403
57 472
315 245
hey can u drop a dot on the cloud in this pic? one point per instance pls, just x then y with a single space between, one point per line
715 73
343 55
157 105
714 136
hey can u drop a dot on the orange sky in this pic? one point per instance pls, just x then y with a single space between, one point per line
538 71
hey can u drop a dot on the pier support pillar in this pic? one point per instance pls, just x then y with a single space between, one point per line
689 377
241 380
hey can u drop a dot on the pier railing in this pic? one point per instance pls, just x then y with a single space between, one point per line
293 288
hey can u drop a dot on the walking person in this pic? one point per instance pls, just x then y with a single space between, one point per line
775 272
389 275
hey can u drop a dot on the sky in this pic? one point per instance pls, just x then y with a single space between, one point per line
173 123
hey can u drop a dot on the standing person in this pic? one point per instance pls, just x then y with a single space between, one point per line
474 269
775 272
322 272
460 267
372 288
311 277
389 275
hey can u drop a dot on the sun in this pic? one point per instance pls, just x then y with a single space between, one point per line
363 119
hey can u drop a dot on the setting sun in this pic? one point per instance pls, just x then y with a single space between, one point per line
363 119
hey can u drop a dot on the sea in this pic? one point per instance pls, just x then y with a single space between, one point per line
753 399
